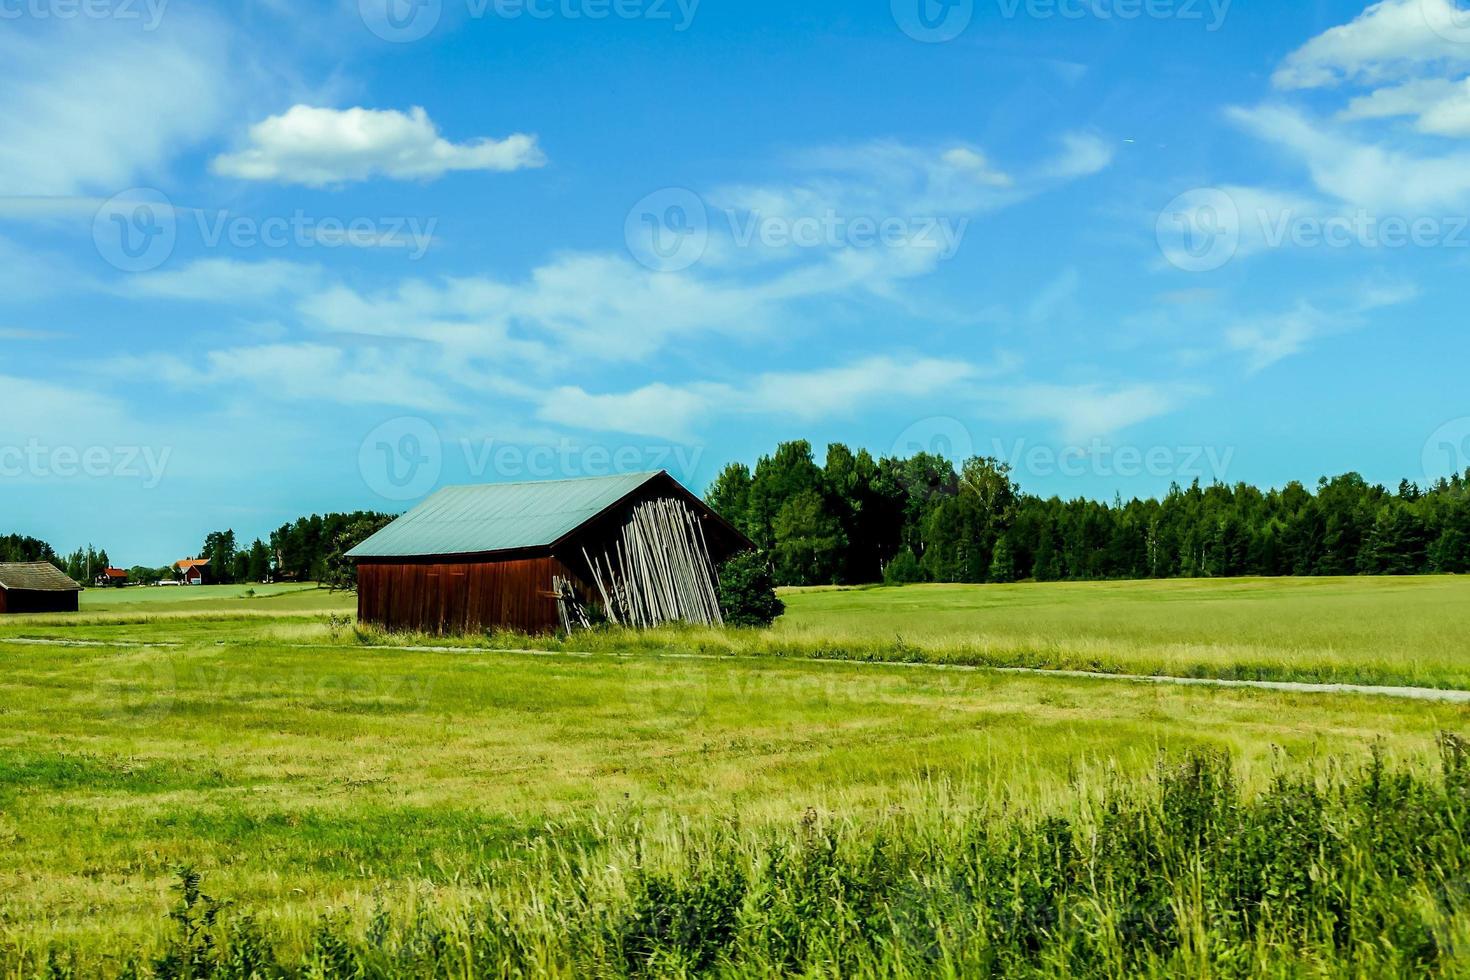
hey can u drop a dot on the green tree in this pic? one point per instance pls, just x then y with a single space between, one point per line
339 571
809 541
1003 563
729 496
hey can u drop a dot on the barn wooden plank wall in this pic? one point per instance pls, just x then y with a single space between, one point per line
460 597
18 601
658 570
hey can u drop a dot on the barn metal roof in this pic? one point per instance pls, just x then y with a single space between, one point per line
36 577
498 517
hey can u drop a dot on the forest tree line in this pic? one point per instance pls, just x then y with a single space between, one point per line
312 549
853 519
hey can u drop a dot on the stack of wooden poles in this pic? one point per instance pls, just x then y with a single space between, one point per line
659 569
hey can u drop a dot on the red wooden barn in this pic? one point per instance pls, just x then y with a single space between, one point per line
638 548
37 588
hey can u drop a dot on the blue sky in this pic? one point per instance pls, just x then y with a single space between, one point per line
262 259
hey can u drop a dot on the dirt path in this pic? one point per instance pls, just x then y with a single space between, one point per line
1292 687
1289 687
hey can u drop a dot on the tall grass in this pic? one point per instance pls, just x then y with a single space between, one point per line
1334 873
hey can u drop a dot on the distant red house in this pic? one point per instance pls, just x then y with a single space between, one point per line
195 571
114 578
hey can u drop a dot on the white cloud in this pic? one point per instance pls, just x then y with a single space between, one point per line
320 147
302 372
576 308
101 109
1267 340
1440 107
1270 339
1056 297
658 409
1089 411
1377 176
30 273
226 280
1082 156
48 413
677 412
1389 40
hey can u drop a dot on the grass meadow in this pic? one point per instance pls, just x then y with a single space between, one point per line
625 805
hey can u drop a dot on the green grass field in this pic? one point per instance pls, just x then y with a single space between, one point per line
303 771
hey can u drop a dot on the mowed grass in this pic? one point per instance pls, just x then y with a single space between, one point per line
182 596
1407 632
1377 631
303 771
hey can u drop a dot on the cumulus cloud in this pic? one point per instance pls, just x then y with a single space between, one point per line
319 147
1389 40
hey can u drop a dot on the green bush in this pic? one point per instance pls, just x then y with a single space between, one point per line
748 592
904 569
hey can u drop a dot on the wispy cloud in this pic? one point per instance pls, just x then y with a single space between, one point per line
1082 412
678 412
92 109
